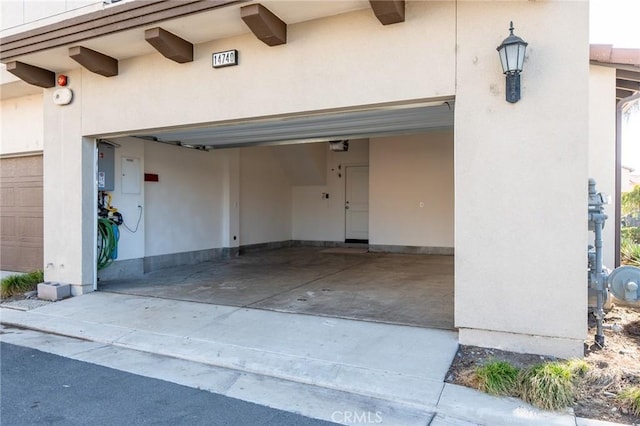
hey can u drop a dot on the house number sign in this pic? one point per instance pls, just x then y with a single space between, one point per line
225 59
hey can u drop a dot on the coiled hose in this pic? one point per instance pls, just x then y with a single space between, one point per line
108 236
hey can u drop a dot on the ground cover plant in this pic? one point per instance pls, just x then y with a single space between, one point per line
17 284
604 385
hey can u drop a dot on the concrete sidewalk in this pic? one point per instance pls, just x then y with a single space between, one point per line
315 366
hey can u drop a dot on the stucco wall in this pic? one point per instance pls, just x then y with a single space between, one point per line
318 219
405 172
265 197
521 179
602 146
338 61
69 196
183 210
22 125
17 13
520 170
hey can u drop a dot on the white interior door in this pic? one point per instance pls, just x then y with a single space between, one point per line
357 203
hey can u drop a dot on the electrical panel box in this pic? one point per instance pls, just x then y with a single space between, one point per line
106 167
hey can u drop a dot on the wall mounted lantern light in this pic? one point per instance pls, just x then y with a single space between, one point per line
511 53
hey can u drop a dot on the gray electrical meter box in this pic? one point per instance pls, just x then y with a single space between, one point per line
106 167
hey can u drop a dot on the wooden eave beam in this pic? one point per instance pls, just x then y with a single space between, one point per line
169 45
96 62
120 17
269 29
620 93
628 84
31 74
628 75
388 11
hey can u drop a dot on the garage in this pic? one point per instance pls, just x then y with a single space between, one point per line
21 238
294 214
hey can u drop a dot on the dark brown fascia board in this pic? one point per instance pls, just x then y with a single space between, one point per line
96 62
388 11
266 26
169 45
31 74
111 20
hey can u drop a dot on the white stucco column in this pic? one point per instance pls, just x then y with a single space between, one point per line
521 174
602 147
69 192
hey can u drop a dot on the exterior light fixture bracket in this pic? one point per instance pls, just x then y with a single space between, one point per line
512 52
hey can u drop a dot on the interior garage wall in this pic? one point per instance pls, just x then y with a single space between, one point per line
22 125
183 210
265 197
130 245
404 172
320 219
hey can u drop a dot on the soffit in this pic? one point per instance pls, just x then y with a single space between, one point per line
627 65
198 27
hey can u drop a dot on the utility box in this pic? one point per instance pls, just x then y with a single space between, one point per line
106 167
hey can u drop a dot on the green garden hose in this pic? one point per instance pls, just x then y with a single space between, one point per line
107 242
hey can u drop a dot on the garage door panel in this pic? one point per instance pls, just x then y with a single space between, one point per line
7 227
29 196
29 228
22 257
21 224
7 197
22 167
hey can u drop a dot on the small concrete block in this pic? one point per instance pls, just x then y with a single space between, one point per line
53 291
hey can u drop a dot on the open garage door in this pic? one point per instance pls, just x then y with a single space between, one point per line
21 213
317 127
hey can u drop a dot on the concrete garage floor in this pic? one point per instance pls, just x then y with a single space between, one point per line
403 289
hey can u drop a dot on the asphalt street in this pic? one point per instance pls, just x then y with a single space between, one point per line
45 389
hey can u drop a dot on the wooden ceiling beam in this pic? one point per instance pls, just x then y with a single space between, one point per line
628 75
269 29
388 11
96 62
169 45
621 93
31 74
627 84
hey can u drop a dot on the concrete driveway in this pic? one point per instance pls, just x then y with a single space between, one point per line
414 290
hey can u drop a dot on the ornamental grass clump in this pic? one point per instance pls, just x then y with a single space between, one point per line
549 385
629 398
497 378
20 283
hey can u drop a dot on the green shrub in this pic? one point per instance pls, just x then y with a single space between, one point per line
630 399
629 252
549 385
631 233
20 283
497 378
